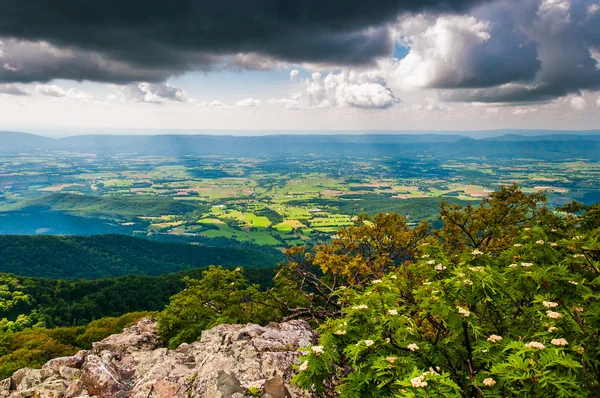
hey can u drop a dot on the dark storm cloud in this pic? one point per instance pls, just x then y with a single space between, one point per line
123 40
566 38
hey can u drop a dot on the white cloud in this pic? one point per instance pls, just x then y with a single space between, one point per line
352 89
216 104
441 51
593 9
595 54
13 89
294 73
289 103
598 102
50 90
578 102
253 61
154 93
524 110
248 102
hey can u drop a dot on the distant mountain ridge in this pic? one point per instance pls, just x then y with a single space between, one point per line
552 146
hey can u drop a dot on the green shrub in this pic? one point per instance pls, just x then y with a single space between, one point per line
520 321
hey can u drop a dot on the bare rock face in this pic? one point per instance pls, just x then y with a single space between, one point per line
227 362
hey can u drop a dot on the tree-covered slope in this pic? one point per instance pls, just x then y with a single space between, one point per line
102 256
122 206
26 301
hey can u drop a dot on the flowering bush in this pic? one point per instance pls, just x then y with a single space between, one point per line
519 319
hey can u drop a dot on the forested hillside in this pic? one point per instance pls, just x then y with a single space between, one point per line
27 302
102 256
122 206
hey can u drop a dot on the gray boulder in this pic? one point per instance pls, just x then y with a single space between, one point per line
226 362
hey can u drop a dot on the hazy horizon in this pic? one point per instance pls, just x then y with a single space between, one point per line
62 133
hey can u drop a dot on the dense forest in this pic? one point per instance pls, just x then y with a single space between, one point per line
102 256
26 302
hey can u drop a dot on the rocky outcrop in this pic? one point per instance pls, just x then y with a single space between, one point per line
229 361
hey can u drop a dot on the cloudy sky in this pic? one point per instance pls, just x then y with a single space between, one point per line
305 65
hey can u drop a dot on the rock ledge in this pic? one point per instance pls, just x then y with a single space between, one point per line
227 362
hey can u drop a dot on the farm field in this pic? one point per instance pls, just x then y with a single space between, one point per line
260 201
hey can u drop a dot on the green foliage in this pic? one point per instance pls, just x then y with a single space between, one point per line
101 256
221 296
122 206
34 347
271 214
25 302
413 209
518 317
493 224
254 392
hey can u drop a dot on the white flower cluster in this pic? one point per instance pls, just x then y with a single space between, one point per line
440 267
526 264
360 307
413 347
464 312
317 349
535 344
477 269
553 315
494 338
376 281
425 256
512 265
517 245
303 366
394 277
418 382
552 329
393 312
573 283
578 255
477 252
431 262
559 342
553 244
549 304
368 343
540 242
468 282
489 382
340 332
391 359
